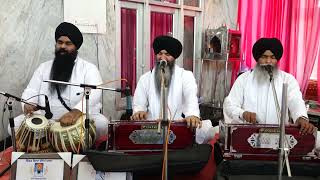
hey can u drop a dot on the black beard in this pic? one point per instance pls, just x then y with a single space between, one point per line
169 69
62 68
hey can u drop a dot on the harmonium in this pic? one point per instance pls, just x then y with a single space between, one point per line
144 136
261 142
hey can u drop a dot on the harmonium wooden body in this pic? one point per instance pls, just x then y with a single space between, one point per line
261 142
142 136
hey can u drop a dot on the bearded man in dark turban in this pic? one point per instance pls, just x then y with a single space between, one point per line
251 99
65 101
182 90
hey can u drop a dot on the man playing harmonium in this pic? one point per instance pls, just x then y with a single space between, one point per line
182 91
65 101
251 98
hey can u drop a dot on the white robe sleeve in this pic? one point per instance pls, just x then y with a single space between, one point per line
190 106
92 77
140 98
296 103
232 106
34 86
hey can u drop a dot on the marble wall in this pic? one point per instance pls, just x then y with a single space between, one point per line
220 12
27 39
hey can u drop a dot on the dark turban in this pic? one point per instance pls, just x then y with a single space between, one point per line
168 43
71 31
263 44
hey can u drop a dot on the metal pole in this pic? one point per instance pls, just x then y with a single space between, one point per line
282 130
87 120
164 122
11 122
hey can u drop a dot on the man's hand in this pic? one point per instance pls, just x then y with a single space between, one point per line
140 115
193 122
29 109
305 126
250 117
70 118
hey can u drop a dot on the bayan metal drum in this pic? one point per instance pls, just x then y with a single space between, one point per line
32 135
69 138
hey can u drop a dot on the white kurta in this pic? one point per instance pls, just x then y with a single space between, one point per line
83 73
182 98
249 94
182 95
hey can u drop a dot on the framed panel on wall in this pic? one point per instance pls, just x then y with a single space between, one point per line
41 166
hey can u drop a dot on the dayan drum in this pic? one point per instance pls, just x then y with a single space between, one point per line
263 140
144 136
69 138
32 135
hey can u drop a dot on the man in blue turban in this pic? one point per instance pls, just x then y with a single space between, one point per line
251 99
182 90
65 101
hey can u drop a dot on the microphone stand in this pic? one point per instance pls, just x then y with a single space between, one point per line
283 151
11 122
87 91
275 97
164 121
128 96
9 102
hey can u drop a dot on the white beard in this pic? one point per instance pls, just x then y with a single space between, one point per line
262 75
168 72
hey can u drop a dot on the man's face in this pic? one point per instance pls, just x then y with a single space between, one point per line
65 56
64 46
164 55
268 58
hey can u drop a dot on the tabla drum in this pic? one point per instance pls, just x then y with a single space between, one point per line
32 135
69 138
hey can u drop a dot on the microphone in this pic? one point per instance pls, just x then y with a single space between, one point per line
48 113
128 98
269 68
163 63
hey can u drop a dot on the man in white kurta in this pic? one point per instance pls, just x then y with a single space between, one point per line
251 98
68 39
182 91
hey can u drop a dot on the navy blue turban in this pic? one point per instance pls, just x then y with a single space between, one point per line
168 43
263 44
71 31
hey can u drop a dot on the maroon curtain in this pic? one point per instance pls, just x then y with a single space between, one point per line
161 24
128 47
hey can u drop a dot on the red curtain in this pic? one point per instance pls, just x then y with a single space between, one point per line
296 23
161 24
128 47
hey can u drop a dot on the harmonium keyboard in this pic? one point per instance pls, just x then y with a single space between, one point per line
142 136
261 142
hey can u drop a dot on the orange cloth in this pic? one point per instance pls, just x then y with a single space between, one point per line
5 161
